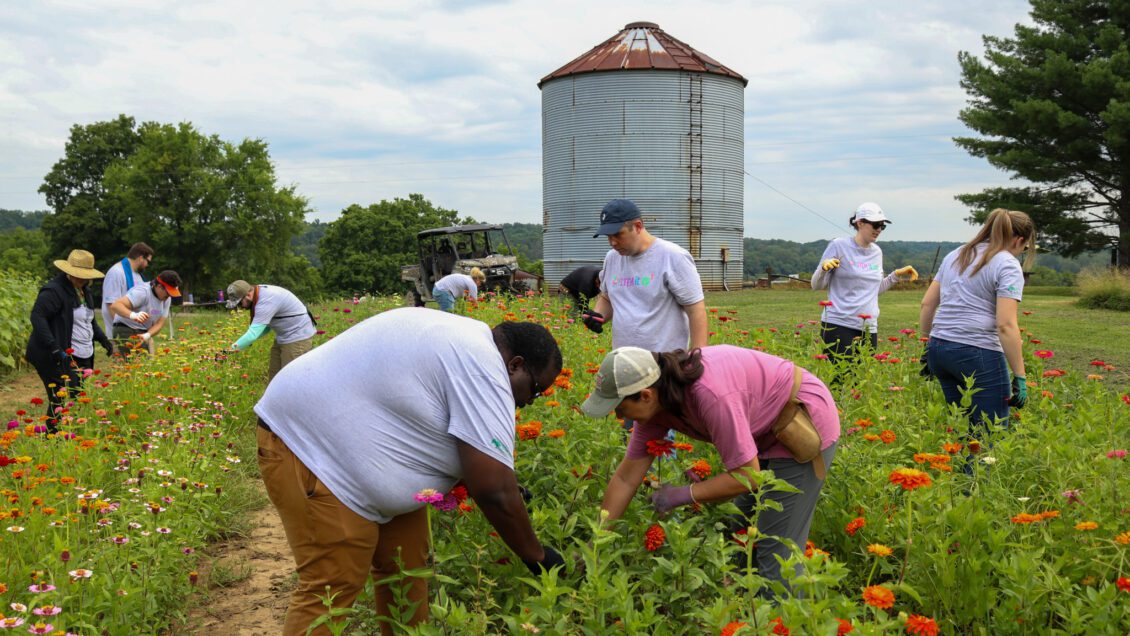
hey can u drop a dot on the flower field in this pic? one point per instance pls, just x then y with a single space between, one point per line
918 531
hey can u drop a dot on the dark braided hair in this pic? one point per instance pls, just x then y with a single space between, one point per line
531 341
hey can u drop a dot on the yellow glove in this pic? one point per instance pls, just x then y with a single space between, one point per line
907 271
830 264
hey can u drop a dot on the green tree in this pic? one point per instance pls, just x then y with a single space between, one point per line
211 209
11 219
365 247
75 192
26 251
1052 107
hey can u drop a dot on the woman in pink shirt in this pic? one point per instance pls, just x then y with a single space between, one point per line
730 397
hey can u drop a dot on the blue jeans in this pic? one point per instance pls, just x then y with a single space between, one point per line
445 299
953 362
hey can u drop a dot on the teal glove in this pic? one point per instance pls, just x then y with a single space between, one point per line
1019 392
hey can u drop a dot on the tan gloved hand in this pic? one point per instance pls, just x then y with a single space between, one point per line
907 271
830 264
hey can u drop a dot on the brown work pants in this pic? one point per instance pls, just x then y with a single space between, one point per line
284 354
335 547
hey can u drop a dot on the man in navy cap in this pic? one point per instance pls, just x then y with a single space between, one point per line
649 286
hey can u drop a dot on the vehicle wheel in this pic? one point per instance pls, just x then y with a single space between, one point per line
412 298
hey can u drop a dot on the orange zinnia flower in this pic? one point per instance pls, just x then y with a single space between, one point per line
701 468
1086 525
556 433
731 628
1123 538
878 549
1025 518
654 538
887 436
779 627
854 525
952 448
529 430
845 627
921 626
878 596
909 478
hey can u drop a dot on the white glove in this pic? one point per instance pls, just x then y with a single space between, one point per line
145 337
139 316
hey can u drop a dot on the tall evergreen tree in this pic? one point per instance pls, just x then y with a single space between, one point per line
1052 107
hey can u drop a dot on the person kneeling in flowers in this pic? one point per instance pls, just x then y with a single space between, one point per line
355 436
733 398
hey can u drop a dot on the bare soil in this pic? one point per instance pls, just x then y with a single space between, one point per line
246 586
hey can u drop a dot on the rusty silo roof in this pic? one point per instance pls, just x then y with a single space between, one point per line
642 45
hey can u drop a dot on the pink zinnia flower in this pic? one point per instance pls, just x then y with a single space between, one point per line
1045 354
9 623
41 628
1117 454
40 588
1072 496
47 610
428 495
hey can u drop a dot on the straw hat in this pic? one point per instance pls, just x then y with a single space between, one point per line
80 264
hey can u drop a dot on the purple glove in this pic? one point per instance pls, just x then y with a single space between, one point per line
669 497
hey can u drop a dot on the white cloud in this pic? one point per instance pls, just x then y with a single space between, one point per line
362 101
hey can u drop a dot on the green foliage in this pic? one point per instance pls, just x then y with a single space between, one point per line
1050 106
17 294
25 251
526 239
11 219
364 249
306 243
1047 277
1105 289
211 209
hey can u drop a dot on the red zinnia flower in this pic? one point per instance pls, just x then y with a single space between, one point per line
1044 353
1123 583
921 626
37 401
825 303
654 538
854 525
731 628
845 627
779 627
660 448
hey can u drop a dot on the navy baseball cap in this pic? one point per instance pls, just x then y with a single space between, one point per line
615 214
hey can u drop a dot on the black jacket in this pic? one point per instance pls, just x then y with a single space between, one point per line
52 321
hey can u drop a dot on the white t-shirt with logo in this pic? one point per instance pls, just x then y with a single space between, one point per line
376 412
854 286
456 284
968 310
648 292
282 311
82 332
142 298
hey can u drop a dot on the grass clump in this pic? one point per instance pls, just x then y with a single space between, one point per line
1105 289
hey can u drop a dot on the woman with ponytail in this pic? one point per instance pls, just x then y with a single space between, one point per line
969 314
738 400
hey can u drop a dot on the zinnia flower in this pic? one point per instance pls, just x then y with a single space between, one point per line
654 538
1117 454
854 525
428 495
731 628
845 627
1084 526
1123 538
909 478
1123 583
921 626
878 549
779 627
825 303
660 448
701 468
1045 354
878 596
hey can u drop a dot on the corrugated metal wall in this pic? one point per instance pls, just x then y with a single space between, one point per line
642 135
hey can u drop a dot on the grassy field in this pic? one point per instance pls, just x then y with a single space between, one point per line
1076 336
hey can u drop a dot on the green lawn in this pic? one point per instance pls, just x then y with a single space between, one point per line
1077 336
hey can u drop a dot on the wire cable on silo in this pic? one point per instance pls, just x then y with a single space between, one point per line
803 206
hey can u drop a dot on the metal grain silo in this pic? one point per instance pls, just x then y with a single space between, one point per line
646 117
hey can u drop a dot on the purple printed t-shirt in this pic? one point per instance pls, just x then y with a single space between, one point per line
735 403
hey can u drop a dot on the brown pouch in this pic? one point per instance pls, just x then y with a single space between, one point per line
796 432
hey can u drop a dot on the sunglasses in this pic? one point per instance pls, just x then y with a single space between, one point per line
881 225
534 384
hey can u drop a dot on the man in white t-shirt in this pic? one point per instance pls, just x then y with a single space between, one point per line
122 277
356 435
273 307
649 286
143 310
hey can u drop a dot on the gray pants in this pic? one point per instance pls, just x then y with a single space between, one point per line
795 517
123 335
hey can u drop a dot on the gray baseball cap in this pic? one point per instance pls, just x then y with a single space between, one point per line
235 293
625 371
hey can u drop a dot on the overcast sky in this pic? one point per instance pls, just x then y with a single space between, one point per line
363 101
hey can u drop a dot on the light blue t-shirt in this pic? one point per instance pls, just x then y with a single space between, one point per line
854 286
648 292
968 310
376 412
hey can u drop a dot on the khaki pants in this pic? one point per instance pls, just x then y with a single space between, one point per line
284 354
334 546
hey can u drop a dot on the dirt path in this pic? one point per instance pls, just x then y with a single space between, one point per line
246 589
17 390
